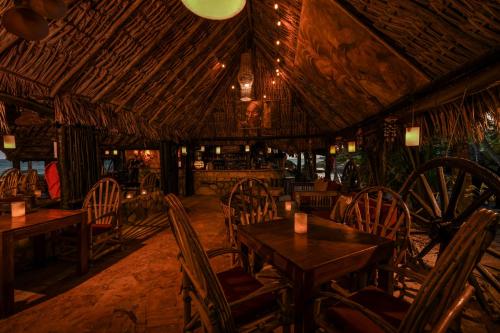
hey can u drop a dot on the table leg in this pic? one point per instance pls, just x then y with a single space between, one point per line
83 247
39 250
386 278
6 274
303 303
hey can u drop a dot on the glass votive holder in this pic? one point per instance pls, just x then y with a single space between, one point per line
38 193
129 195
18 208
300 223
144 192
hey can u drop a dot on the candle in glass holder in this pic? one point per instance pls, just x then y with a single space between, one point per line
18 208
129 195
38 193
300 223
144 192
288 206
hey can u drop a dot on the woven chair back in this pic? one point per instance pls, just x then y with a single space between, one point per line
9 181
30 181
150 183
103 202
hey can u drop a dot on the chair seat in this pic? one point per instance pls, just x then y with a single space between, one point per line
100 228
388 307
237 284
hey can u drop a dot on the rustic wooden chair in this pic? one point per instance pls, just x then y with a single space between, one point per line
350 177
443 294
103 203
150 183
29 182
252 203
9 182
228 301
381 211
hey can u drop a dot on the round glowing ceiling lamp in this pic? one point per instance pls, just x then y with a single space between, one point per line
215 9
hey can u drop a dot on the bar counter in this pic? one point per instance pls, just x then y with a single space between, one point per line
220 182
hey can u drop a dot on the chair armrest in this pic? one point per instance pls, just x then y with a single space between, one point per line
212 253
267 288
384 325
455 309
110 214
406 272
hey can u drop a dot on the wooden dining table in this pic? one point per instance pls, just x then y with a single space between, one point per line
326 252
36 224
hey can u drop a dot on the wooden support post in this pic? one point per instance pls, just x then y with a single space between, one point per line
169 171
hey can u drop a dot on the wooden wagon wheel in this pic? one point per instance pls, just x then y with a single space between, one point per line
441 195
350 177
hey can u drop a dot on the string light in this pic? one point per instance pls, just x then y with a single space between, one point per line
232 87
278 42
278 60
278 23
265 96
274 82
276 6
223 65
277 70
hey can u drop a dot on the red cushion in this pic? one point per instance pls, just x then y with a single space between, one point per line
237 284
390 308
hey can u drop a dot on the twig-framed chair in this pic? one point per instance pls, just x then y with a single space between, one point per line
229 301
103 204
350 177
381 211
9 182
442 297
29 182
150 183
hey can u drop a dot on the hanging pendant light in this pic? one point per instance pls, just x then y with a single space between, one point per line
245 77
412 136
217 150
333 149
351 146
9 141
215 9
184 150
247 148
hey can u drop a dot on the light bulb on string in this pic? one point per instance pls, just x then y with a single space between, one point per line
278 23
278 42
276 6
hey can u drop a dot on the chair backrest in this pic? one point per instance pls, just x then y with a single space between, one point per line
206 291
103 202
447 280
9 181
29 181
150 183
381 211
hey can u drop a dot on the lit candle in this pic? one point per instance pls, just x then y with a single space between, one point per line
300 224
129 195
38 193
412 137
18 208
144 192
288 206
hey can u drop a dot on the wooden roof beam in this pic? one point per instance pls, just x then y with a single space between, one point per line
42 109
138 58
198 69
97 46
388 43
185 64
160 64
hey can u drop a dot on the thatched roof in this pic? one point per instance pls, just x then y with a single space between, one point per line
151 68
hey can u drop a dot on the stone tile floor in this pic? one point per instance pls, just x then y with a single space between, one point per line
133 291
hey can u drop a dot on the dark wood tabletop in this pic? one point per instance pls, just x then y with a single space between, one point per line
36 225
328 251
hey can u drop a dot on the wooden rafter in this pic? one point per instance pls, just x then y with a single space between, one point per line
166 85
203 79
97 46
199 68
138 58
389 44
160 64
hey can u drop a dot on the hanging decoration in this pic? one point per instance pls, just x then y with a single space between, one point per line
217 150
184 150
390 129
333 149
215 9
245 77
359 137
202 148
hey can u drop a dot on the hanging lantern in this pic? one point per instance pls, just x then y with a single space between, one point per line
390 129
202 148
115 152
269 150
9 142
215 9
351 146
333 149
106 152
217 150
245 77
184 150
199 165
412 136
247 148
55 148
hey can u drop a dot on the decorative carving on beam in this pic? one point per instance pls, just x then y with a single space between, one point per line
97 46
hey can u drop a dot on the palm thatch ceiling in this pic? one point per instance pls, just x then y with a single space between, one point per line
152 68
